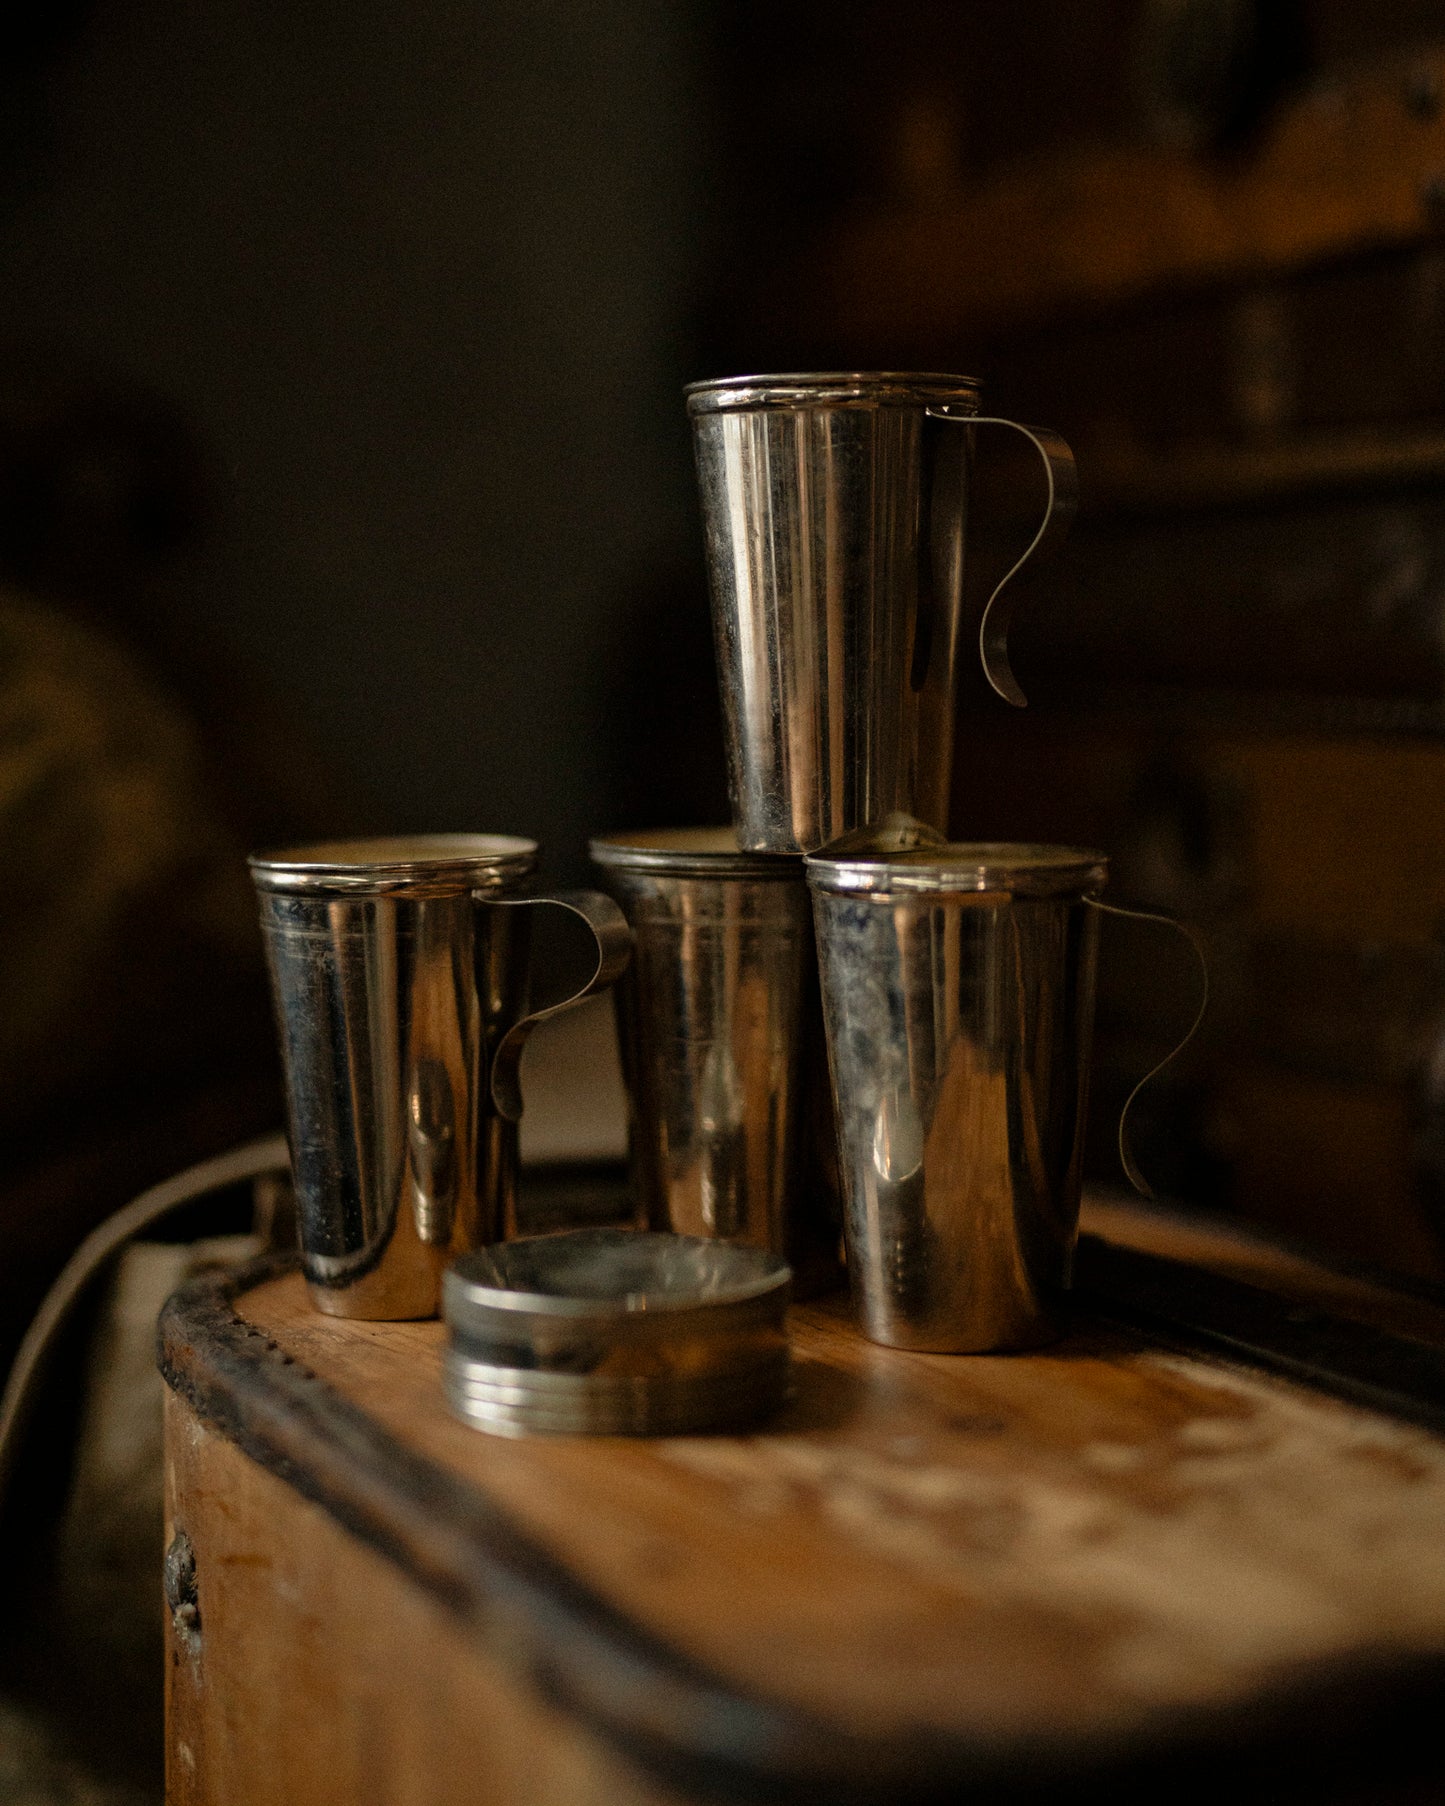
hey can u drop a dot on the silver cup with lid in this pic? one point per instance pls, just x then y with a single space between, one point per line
835 510
958 994
400 978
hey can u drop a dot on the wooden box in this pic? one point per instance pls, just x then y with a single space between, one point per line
1110 1569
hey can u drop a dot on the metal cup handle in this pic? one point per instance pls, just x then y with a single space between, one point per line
614 947
1062 499
1126 1156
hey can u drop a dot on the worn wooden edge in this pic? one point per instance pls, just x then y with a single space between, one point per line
1194 1309
669 1713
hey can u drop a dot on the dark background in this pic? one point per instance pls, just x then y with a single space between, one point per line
341 358
345 486
411 296
419 288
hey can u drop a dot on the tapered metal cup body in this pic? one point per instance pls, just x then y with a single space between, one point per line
958 995
391 988
834 509
721 1037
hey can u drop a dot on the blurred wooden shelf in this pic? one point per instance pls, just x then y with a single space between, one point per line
1355 166
1212 476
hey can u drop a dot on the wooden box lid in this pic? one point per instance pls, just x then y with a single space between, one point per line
1089 1565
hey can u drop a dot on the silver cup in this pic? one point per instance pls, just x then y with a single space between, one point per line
722 1042
835 513
958 994
399 974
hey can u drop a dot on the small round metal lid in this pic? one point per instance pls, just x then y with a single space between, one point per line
692 853
412 864
834 388
1013 867
615 1332
604 1276
637 1405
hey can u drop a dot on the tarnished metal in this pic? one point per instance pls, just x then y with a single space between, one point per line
721 1038
958 993
835 510
399 973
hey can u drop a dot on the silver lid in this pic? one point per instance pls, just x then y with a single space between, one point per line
1013 868
642 1405
411 864
607 1277
835 388
615 1331
897 832
692 853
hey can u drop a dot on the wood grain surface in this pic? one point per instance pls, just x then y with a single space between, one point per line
1094 1562
321 1674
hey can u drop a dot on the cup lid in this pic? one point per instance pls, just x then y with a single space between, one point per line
410 864
1017 868
615 1331
834 388
691 853
606 1275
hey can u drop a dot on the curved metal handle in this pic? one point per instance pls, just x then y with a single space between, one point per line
1062 500
1126 1158
614 947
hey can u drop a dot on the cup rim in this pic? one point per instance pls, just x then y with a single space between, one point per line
1015 868
691 852
833 388
740 1274
395 864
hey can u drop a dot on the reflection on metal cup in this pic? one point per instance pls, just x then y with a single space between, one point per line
958 995
719 1029
835 512
399 975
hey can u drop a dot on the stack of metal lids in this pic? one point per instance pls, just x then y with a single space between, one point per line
616 1332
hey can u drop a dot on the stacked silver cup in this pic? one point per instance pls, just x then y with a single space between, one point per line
957 979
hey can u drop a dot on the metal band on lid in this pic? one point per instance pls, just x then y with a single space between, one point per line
833 389
649 1407
692 853
1015 869
404 865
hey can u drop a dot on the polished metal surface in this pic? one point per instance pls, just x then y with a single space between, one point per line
835 509
936 865
615 1332
399 974
608 1276
721 1037
958 993
647 1407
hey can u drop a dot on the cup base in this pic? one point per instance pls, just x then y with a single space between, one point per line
338 1301
1013 1338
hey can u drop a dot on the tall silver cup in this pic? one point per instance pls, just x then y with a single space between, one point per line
722 1045
835 510
399 973
958 993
